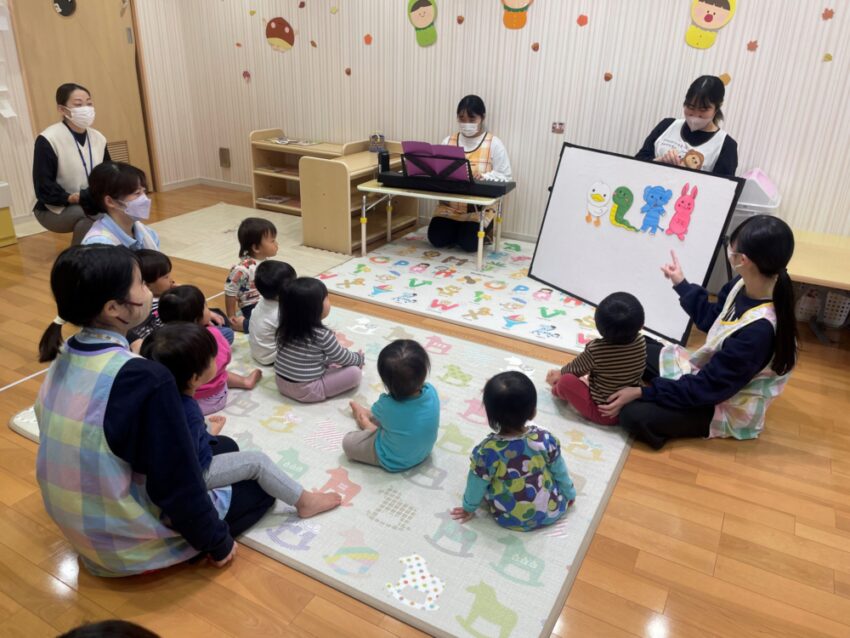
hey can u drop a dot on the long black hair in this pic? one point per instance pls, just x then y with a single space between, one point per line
707 91
300 310
83 279
768 242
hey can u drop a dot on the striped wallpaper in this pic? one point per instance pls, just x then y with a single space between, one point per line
16 138
783 105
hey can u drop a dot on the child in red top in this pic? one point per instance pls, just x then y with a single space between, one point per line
187 303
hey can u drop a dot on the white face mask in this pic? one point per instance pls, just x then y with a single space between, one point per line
82 116
697 123
139 208
469 129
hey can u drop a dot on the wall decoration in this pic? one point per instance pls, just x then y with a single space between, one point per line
515 13
707 18
348 70
246 75
535 46
313 44
252 12
422 15
725 78
581 20
367 39
608 76
460 19
279 35
827 57
65 7
334 10
589 261
827 14
752 45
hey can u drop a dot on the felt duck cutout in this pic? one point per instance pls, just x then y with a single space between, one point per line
422 14
598 202
707 18
516 13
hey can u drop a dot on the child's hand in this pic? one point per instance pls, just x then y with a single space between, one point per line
226 559
238 323
620 399
673 270
362 357
461 515
216 319
216 424
553 376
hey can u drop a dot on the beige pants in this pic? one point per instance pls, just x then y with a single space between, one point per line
360 446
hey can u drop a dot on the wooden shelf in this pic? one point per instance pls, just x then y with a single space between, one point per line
313 150
291 175
292 206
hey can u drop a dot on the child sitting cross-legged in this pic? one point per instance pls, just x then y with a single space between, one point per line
401 429
271 276
189 351
614 362
187 303
518 470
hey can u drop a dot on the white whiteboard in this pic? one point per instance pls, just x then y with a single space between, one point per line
581 252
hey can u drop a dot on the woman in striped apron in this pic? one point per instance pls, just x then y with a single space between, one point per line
457 224
724 388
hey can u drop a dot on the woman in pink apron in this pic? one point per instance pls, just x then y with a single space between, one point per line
724 388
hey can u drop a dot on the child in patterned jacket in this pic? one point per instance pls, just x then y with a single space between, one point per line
518 469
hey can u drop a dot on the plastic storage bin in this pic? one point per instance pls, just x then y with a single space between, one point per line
759 197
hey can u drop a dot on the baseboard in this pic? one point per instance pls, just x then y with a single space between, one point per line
205 181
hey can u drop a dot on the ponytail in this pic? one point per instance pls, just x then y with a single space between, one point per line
83 279
785 344
769 243
51 342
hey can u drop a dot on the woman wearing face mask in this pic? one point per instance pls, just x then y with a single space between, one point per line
65 155
457 223
695 141
120 191
724 388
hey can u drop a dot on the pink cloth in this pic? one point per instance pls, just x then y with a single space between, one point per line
213 404
335 381
577 393
222 358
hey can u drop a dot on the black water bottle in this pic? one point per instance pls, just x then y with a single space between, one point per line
383 161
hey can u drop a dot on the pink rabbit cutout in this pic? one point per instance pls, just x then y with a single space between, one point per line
684 208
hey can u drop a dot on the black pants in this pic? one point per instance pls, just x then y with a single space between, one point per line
443 232
656 424
249 502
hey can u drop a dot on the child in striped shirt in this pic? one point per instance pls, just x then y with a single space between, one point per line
611 363
311 365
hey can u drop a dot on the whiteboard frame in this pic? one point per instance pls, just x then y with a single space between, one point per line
721 240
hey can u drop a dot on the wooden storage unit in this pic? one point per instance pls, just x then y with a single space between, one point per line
331 203
275 167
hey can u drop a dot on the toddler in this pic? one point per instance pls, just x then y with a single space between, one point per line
401 429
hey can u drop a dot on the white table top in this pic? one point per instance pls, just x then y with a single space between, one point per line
374 186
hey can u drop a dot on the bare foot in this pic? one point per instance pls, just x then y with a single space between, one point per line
362 416
216 424
244 383
253 379
312 503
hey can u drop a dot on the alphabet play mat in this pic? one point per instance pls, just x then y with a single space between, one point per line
412 275
392 543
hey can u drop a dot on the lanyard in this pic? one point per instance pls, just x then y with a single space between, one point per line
88 169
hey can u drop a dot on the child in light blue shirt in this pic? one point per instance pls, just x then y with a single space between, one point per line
401 428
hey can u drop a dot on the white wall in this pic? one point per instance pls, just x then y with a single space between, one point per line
16 138
784 104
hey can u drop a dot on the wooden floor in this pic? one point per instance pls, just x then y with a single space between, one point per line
706 538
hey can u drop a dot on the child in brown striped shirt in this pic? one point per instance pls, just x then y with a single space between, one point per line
611 363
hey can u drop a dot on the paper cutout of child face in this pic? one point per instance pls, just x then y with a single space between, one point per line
422 14
711 16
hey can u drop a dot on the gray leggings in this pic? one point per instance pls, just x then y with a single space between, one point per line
72 219
233 467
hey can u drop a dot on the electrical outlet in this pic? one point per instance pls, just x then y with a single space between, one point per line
224 157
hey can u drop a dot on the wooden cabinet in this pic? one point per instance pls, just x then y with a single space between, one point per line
332 204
